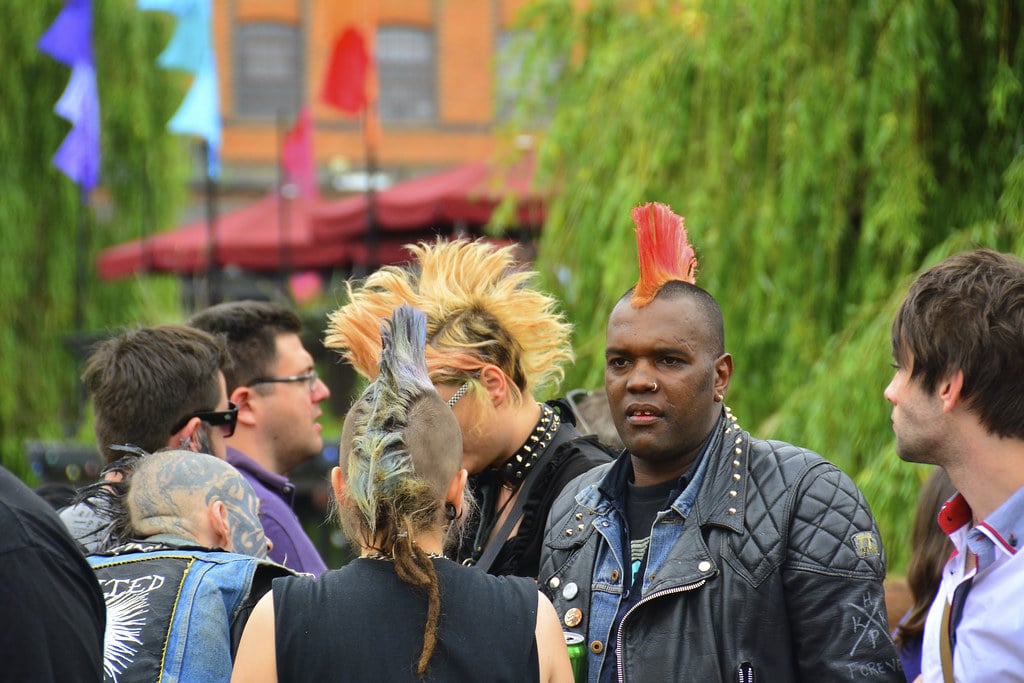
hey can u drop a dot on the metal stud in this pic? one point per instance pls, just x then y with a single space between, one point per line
738 451
732 494
580 527
736 477
704 566
732 511
568 532
579 515
554 582
735 463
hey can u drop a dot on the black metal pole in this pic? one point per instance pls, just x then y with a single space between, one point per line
212 269
372 226
81 254
285 191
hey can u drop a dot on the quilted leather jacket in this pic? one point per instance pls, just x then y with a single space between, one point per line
774 575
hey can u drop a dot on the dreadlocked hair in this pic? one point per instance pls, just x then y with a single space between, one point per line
401 447
480 310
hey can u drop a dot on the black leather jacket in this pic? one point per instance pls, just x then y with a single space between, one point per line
776 574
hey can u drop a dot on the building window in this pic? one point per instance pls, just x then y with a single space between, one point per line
517 87
407 74
268 69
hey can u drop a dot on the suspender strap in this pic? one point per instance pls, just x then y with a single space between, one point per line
945 647
952 612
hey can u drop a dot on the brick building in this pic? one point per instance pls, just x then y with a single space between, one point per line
439 82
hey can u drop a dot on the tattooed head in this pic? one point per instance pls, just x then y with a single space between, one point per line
171 492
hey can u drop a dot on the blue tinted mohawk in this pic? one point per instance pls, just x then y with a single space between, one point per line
380 464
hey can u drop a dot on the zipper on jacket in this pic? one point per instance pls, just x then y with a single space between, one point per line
746 673
652 596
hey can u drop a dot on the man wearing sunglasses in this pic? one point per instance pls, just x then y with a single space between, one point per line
152 387
272 380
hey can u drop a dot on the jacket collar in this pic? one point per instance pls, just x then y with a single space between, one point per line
722 499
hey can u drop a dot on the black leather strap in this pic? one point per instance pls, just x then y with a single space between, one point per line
516 513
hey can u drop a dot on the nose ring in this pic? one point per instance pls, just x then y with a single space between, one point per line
654 386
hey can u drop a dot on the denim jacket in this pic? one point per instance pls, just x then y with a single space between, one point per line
175 613
776 574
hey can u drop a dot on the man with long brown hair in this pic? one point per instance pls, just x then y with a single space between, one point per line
958 402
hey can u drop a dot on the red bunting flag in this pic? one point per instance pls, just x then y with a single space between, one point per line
346 84
297 155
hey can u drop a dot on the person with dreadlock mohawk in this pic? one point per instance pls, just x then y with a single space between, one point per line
402 611
493 343
703 553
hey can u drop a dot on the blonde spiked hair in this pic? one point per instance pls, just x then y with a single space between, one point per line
480 310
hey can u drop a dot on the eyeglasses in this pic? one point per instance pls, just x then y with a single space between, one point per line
310 378
225 419
459 393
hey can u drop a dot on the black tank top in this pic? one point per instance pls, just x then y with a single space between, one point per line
363 623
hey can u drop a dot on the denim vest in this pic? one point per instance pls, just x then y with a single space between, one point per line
610 567
171 613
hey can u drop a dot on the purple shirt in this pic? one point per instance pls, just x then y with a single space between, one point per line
292 546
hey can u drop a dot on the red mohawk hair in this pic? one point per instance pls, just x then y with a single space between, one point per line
664 251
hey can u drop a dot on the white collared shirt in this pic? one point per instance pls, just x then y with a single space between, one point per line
990 637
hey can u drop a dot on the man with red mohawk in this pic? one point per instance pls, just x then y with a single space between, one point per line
703 553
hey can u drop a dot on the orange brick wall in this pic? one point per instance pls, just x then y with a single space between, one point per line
465 32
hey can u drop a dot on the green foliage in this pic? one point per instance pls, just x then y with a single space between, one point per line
143 181
822 153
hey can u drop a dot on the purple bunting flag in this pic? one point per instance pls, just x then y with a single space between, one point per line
69 41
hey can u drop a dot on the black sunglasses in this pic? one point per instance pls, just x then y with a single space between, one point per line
225 419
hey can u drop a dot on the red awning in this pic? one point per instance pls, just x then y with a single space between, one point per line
250 238
463 195
334 234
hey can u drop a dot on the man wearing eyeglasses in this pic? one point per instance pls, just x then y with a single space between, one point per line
152 388
272 380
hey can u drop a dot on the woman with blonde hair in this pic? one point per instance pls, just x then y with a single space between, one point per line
402 611
493 343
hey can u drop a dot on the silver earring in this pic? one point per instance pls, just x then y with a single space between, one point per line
185 440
